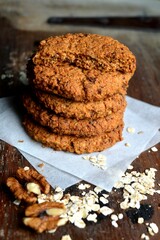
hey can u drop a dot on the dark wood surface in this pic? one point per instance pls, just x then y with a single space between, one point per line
112 22
15 47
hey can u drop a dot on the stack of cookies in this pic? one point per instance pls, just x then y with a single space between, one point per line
78 92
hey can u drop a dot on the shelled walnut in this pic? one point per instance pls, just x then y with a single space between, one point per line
45 216
31 175
19 191
27 185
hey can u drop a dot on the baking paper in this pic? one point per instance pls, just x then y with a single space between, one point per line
68 168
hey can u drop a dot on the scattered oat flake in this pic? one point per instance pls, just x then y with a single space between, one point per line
105 195
136 186
140 132
154 149
98 161
95 207
17 202
83 186
66 237
120 216
130 130
98 189
58 189
157 191
106 210
114 224
103 200
124 205
118 184
101 157
150 231
62 221
144 236
3 76
154 228
86 157
130 167
58 196
114 217
140 220
92 217
80 223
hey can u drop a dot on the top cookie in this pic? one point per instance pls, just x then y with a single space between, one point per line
83 66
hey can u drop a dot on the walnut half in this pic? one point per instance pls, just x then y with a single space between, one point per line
20 192
40 219
27 185
36 209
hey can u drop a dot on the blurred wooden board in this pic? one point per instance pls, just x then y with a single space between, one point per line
32 15
16 46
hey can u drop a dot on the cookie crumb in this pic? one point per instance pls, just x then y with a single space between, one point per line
41 165
127 144
20 141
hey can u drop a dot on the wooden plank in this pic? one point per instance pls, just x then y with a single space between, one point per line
11 227
33 15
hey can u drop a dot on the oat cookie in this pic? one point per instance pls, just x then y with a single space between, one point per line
78 145
81 110
83 66
69 126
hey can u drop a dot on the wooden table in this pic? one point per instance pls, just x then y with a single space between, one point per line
15 47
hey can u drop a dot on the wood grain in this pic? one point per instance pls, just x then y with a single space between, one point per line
15 48
11 226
